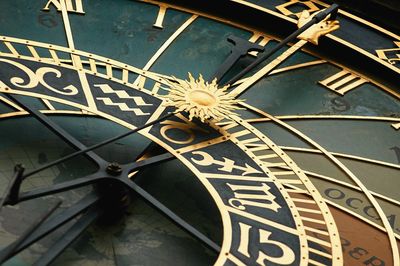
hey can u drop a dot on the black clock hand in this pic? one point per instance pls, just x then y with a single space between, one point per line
69 236
90 201
92 178
12 190
332 11
67 215
88 180
241 48
56 129
98 145
146 196
12 249
53 223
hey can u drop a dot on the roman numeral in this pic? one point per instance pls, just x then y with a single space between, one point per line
73 6
160 16
343 82
259 38
295 7
391 55
241 48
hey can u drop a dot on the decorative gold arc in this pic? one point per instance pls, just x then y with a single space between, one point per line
55 60
89 110
110 63
375 204
358 216
345 184
358 158
326 117
336 250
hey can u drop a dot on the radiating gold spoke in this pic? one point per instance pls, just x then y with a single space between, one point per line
161 50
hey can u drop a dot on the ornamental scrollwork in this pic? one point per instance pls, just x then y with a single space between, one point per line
34 78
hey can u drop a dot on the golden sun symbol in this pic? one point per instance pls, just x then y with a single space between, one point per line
201 99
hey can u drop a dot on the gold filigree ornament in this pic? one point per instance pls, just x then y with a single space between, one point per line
322 28
201 99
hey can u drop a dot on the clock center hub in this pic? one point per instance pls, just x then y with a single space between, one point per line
202 98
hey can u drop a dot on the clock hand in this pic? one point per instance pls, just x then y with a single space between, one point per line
69 236
241 48
98 145
90 179
90 201
69 214
12 191
50 225
172 216
12 249
312 35
57 129
332 11
186 96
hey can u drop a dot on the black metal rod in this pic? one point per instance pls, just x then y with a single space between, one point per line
98 145
241 48
60 187
172 216
60 219
149 161
56 129
14 248
68 237
11 194
91 179
332 10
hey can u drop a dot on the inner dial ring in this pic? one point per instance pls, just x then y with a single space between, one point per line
253 178
273 205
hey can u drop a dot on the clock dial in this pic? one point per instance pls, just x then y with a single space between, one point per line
305 172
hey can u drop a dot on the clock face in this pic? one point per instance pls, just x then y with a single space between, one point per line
295 162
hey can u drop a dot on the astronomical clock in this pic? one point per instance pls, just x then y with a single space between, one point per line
226 132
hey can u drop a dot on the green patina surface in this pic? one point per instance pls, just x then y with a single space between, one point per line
122 30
